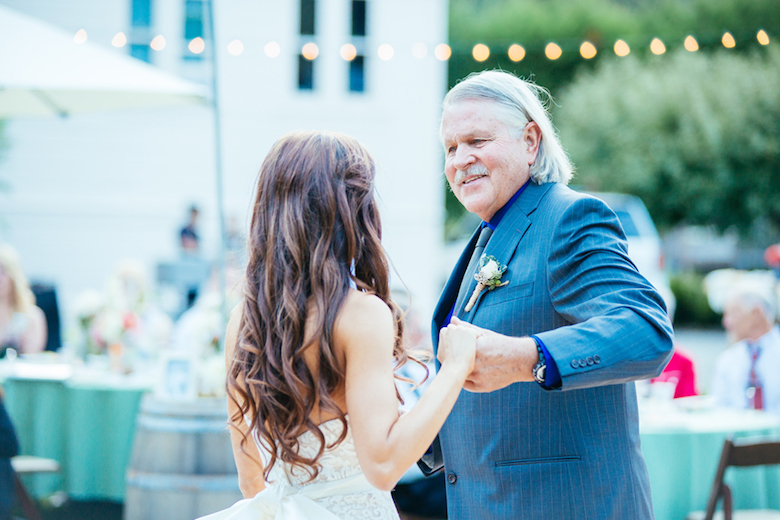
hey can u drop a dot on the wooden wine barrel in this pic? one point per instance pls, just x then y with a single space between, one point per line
182 464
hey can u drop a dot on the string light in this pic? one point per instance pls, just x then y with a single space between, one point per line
657 47
235 48
272 49
310 51
197 45
419 50
516 52
553 51
158 43
588 50
348 52
621 48
81 36
442 52
385 51
481 52
119 40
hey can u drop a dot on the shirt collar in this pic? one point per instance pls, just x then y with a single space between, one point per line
500 213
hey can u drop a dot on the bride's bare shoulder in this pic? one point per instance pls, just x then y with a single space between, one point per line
363 315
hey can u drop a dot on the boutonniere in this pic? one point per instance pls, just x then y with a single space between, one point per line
489 275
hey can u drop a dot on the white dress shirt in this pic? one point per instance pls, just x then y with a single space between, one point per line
732 372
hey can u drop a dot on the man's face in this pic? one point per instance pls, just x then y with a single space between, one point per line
485 163
740 323
6 287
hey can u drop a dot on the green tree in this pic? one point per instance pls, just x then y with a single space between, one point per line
535 23
695 135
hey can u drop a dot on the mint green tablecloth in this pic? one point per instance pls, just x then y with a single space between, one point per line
682 450
88 426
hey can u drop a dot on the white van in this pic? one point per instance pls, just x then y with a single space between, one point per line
644 244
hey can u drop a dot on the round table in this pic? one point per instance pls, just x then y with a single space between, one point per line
83 419
682 442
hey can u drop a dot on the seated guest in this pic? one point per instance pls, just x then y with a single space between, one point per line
680 371
746 373
22 323
9 447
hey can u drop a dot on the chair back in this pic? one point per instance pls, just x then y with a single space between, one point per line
741 454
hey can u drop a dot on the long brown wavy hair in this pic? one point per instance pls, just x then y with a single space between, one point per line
315 230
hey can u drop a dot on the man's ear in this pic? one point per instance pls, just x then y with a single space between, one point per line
532 137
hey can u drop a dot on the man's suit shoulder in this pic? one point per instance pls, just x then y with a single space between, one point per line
561 199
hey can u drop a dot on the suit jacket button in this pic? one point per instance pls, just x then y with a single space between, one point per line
589 360
583 364
452 478
596 359
575 363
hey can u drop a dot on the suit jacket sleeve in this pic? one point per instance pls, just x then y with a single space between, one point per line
619 328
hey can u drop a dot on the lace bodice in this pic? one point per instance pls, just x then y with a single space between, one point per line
338 463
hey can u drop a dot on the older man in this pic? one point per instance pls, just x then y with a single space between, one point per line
549 428
746 372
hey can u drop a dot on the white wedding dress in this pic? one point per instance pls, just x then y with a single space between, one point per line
340 491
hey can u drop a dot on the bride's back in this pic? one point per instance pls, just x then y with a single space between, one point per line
315 233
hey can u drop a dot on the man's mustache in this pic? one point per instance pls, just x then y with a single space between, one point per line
474 169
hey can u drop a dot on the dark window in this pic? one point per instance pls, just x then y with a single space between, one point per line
307 17
358 17
142 13
193 19
305 73
357 74
628 223
140 51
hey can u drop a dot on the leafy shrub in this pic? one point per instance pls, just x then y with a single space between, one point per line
692 305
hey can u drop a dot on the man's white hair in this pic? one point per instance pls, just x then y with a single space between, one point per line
750 295
521 103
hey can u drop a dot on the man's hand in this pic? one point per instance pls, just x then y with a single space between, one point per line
500 361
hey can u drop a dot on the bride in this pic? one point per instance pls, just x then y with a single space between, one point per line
311 349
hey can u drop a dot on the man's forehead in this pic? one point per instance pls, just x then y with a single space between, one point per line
468 121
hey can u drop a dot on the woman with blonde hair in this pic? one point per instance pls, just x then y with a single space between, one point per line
312 348
22 323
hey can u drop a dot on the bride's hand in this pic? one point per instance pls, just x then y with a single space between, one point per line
458 347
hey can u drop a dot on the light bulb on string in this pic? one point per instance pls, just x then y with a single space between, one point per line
588 50
419 50
690 44
480 52
657 47
119 40
197 45
762 37
158 43
621 48
385 52
553 51
516 52
348 52
728 40
442 52
81 36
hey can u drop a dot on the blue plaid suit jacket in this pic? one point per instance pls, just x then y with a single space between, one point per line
573 453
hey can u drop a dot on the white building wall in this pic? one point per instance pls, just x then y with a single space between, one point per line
90 190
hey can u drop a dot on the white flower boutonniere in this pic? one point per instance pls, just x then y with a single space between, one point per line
489 275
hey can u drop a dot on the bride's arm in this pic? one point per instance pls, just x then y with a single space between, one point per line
250 469
386 444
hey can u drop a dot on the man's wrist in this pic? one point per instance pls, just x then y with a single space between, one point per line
540 369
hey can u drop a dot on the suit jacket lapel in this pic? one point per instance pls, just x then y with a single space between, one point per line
508 234
450 292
